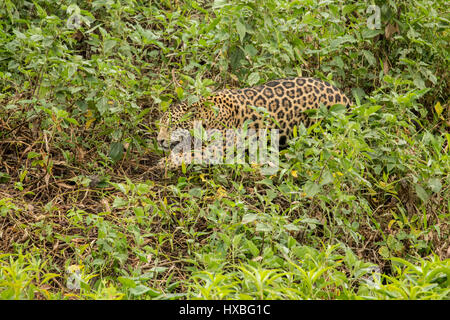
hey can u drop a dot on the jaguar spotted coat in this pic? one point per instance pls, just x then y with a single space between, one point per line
284 100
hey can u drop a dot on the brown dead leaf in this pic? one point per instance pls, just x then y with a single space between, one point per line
106 205
390 30
80 154
47 179
385 65
65 186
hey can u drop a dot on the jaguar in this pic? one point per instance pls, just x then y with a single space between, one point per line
284 101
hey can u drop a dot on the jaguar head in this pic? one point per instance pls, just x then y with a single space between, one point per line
173 125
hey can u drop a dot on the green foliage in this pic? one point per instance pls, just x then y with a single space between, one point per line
23 276
426 281
360 206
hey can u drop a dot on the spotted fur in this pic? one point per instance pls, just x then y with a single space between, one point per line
285 100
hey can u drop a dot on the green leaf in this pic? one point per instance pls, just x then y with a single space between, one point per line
435 185
249 217
116 151
196 192
241 30
349 8
4 177
127 282
32 155
141 289
384 252
371 110
119 202
311 188
338 109
253 78
421 193
72 121
180 92
263 227
236 55
369 57
252 248
327 177
291 227
109 44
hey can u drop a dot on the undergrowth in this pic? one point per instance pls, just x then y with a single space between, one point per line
358 210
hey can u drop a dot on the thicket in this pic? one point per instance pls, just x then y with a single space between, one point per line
359 209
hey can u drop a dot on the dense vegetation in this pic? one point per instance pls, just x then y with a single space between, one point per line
360 206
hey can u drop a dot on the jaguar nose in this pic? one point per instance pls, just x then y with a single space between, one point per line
162 143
